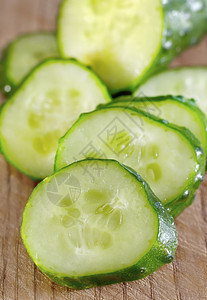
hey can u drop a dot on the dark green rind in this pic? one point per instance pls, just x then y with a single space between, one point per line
179 203
161 253
181 206
1 108
22 85
5 79
189 103
183 27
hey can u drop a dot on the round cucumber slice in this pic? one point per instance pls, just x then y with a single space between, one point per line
42 109
127 40
83 233
24 53
104 35
178 110
190 82
166 156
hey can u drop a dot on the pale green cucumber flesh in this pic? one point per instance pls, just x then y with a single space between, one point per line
178 110
190 82
118 39
78 230
126 41
24 53
42 109
161 154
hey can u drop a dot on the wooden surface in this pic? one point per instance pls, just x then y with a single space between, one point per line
184 279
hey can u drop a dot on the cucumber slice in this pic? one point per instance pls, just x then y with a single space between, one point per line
188 81
42 109
23 54
178 110
83 233
171 162
125 41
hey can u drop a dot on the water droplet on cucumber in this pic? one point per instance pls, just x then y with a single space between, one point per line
143 270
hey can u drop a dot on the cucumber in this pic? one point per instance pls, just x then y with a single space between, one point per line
190 82
24 53
167 157
40 111
83 233
178 110
127 40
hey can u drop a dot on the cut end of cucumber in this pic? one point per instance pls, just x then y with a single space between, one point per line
93 217
26 52
93 33
178 110
42 109
161 154
190 82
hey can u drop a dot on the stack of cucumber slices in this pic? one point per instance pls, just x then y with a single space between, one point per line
116 171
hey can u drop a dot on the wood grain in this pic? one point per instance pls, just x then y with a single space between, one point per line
184 279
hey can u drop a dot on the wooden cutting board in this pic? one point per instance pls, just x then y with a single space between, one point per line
184 279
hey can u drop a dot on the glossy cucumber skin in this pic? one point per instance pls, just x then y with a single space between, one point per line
181 206
161 253
4 80
185 198
184 26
